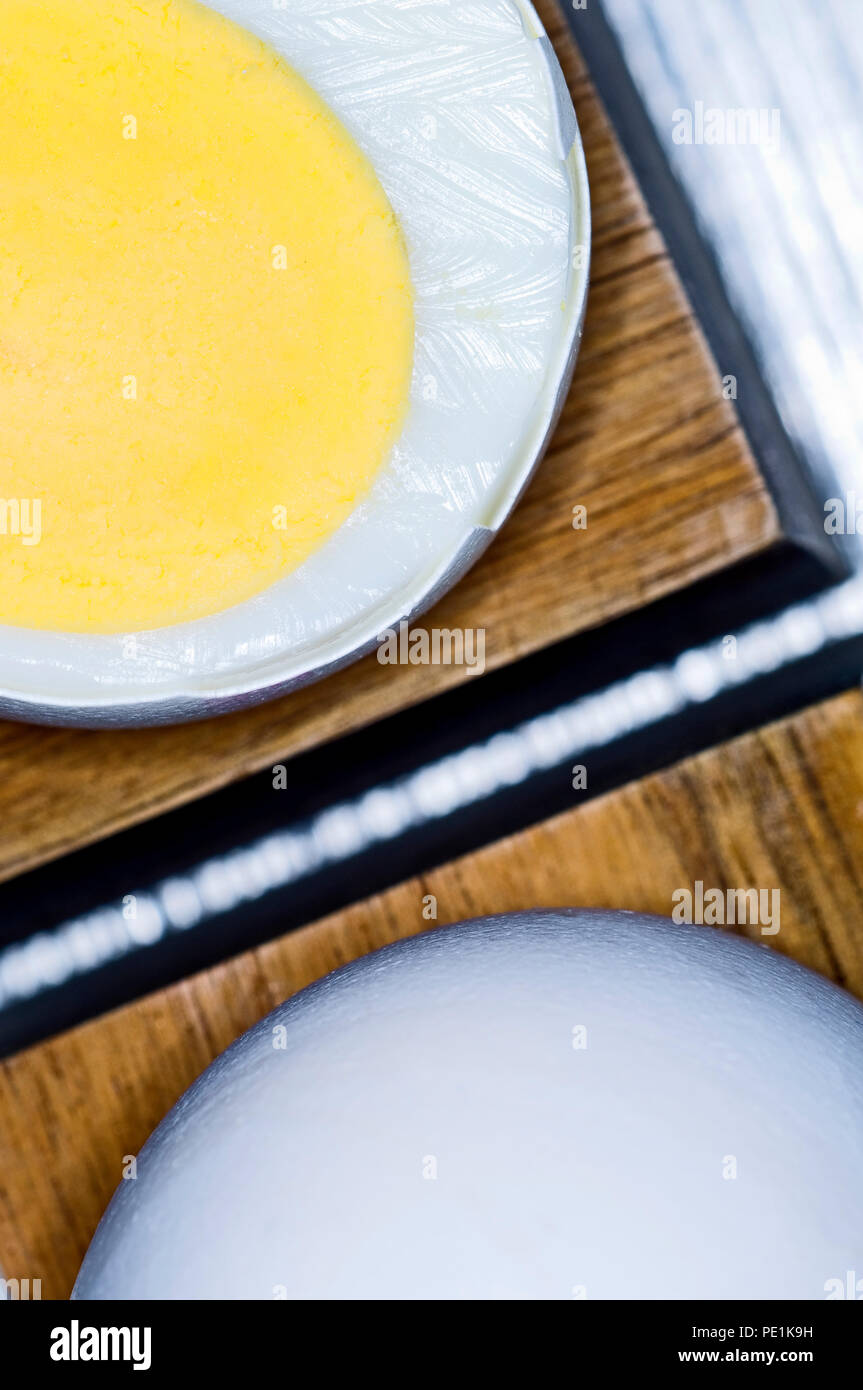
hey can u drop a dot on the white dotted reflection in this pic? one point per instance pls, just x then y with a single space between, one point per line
224 883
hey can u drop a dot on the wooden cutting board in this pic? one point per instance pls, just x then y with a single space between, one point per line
647 443
779 808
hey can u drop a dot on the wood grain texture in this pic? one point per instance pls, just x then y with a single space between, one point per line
781 808
646 442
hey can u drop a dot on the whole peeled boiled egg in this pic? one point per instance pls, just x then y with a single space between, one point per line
554 1105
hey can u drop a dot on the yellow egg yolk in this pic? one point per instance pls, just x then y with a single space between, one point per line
206 316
